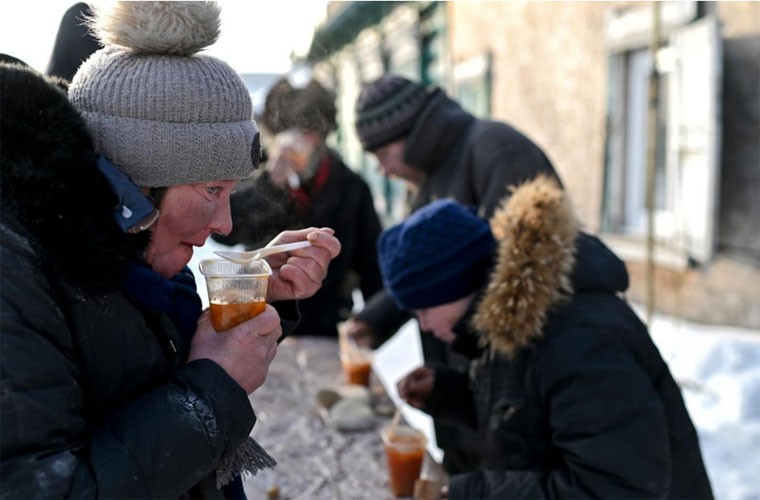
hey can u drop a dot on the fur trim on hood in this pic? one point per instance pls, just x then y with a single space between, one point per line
51 185
536 228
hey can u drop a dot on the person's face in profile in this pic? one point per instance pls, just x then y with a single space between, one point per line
189 213
391 159
440 320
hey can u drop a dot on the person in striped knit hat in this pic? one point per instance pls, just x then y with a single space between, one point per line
419 134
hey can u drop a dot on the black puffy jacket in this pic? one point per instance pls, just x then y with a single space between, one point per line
572 398
96 398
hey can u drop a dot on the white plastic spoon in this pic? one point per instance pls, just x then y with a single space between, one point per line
246 257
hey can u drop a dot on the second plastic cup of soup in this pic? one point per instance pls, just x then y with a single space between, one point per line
405 454
356 360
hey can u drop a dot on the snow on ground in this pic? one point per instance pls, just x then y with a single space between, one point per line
718 368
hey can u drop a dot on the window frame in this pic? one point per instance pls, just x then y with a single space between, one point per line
684 232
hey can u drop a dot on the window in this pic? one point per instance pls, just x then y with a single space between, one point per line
687 128
472 81
625 190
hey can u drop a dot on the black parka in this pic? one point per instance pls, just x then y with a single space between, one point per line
571 397
96 398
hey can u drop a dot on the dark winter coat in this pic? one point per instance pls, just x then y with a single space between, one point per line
473 161
260 210
572 396
97 398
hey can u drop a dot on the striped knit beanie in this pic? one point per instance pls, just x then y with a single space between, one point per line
386 110
159 111
439 254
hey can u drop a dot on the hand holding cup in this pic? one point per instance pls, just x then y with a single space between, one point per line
358 331
416 386
244 351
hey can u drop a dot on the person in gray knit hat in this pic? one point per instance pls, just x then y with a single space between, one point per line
116 383
421 135
160 111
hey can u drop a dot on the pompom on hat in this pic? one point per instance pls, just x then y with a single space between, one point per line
387 108
439 254
162 113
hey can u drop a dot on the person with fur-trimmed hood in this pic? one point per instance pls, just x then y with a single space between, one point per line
569 395
420 134
306 183
114 382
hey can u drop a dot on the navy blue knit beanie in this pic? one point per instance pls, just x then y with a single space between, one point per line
441 253
386 110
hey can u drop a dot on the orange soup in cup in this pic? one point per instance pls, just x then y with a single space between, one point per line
404 453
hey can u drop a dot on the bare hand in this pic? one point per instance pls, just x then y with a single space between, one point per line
279 169
416 386
359 331
244 351
289 156
298 274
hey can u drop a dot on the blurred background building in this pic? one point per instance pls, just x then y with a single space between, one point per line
574 77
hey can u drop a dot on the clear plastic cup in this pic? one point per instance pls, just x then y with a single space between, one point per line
405 454
357 366
236 292
355 360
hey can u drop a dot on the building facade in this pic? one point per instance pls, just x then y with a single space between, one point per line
577 77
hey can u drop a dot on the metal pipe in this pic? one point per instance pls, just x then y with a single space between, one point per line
652 110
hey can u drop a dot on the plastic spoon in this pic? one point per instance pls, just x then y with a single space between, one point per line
246 257
391 433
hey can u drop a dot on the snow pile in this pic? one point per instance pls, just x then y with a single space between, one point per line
719 371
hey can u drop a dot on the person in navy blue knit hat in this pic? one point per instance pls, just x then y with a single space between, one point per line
569 397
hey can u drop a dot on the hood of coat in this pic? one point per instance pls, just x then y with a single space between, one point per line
436 132
542 260
51 185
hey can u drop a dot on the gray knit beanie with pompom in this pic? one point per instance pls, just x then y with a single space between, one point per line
161 112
